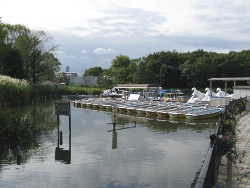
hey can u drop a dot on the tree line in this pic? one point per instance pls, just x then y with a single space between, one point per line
171 69
27 54
30 55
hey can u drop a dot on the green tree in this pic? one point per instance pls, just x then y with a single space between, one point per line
94 71
49 67
12 64
105 79
120 69
37 54
140 76
189 72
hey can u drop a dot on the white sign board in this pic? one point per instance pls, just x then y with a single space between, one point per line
114 114
62 108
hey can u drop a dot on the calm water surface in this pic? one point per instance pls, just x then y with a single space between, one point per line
155 153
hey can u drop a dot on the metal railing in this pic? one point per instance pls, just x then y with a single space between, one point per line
208 174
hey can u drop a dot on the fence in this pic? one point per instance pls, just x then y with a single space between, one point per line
208 175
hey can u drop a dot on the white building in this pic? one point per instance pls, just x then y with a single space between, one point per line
76 80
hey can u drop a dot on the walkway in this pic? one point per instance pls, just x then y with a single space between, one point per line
240 172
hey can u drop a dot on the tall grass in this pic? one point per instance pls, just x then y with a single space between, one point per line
84 90
16 130
15 90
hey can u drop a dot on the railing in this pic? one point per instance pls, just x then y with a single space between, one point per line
208 175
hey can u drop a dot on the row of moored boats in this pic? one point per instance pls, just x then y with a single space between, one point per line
153 108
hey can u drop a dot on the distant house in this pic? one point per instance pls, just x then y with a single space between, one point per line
73 78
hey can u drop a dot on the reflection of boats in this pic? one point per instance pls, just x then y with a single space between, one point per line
201 121
204 114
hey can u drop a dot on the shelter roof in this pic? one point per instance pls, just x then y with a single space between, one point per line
230 79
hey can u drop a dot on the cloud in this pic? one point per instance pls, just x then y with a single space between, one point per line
83 51
104 51
135 28
73 57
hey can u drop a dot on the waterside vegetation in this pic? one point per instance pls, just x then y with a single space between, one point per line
19 91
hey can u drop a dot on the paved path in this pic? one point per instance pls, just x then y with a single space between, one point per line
240 171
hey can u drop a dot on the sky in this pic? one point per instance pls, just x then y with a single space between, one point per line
91 33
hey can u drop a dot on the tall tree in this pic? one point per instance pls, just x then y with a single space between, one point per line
37 54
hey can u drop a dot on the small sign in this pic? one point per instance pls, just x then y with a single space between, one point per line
62 108
114 114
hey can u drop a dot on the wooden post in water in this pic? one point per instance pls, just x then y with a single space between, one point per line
58 131
18 150
61 138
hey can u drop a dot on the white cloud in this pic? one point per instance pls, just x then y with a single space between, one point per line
104 51
83 51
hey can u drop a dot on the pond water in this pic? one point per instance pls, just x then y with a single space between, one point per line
150 153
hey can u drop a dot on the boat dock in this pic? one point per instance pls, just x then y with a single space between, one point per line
238 175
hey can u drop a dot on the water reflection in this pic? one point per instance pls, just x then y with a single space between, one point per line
154 153
119 127
42 115
62 154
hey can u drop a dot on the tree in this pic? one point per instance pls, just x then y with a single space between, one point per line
105 78
120 69
95 71
27 54
37 54
49 67
12 64
189 72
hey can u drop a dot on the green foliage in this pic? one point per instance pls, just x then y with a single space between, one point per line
120 69
13 89
95 71
15 129
226 141
84 90
27 54
180 70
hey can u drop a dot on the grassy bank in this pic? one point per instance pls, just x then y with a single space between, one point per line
16 91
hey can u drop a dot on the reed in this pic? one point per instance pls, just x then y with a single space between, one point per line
16 130
84 90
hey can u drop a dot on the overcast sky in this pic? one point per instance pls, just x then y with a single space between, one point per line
91 33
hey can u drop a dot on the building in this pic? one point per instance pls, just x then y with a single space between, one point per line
74 79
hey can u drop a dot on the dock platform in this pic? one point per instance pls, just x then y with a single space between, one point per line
240 172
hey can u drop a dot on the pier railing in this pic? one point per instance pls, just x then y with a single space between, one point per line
208 174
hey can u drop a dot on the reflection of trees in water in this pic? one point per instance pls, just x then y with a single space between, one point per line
42 120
